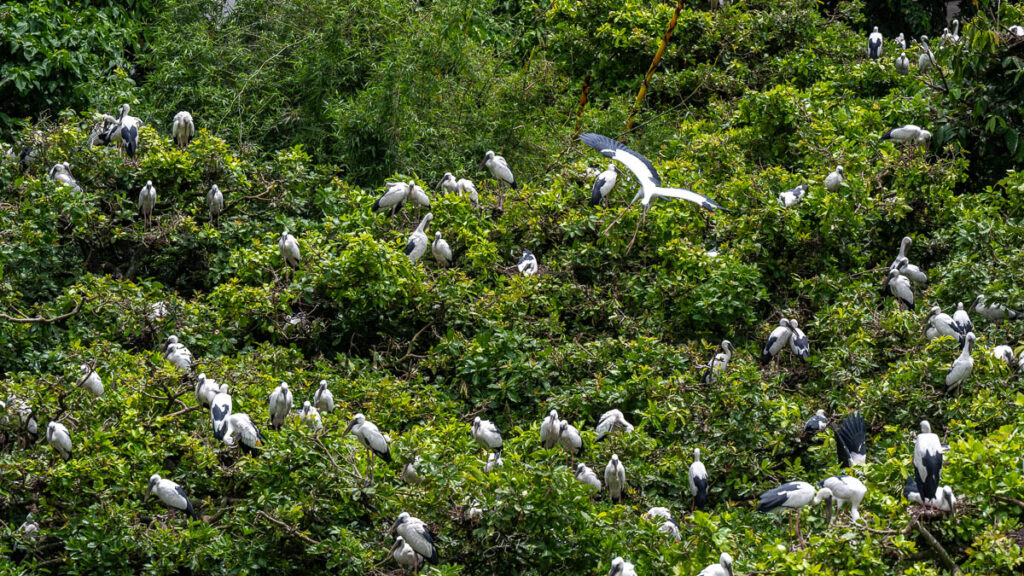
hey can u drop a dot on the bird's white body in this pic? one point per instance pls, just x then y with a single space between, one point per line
777 340
215 202
926 60
847 490
418 196
834 181
280 404
798 343
909 134
323 399
941 324
394 197
1016 30
792 196
311 416
527 265
499 169
901 41
289 248
59 437
621 568
239 429
611 421
570 440
550 430
900 288
615 478
441 251
177 354
792 496
817 423
962 367
406 557
903 64
486 434
995 312
91 380
147 201
220 409
183 129
62 173
417 534
587 476
698 477
410 474
603 185
962 321
170 493
206 390
671 528
723 568
927 461
659 512
875 44
369 436
418 241
1004 354
125 130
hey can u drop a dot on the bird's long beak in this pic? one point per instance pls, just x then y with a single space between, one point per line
393 527
351 423
393 547
482 164
974 304
828 512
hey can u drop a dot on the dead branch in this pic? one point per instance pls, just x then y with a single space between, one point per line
42 320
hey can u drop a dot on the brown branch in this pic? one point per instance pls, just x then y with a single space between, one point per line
583 103
180 412
943 555
654 65
1002 498
42 320
287 528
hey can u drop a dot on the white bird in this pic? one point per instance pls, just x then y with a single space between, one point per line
177 354
798 343
323 399
125 131
441 251
183 129
289 248
612 421
371 438
962 367
570 440
62 173
587 476
903 64
723 568
527 264
816 424
418 196
494 461
941 324
410 474
658 512
909 133
406 557
834 180
26 416
486 434
206 391
944 500
851 441
995 312
1004 353
901 41
215 201
671 528
912 272
875 44
240 430
898 286
157 311
550 430
777 341
962 321
417 534
698 481
952 36
29 529
718 364
311 416
904 248
449 183
90 380
926 60
615 479
927 461
394 197
603 185
792 196
418 241
846 490
499 170
147 201
1016 30
171 494
793 496
279 404
59 437
220 409
621 568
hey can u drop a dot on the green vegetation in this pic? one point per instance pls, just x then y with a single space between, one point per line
305 107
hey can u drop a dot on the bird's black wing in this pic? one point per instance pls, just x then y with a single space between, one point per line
851 438
607 147
595 195
424 532
410 247
775 497
701 497
911 487
933 464
188 503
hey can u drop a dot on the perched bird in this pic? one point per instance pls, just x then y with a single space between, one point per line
239 430
527 264
621 568
793 496
370 437
793 195
912 272
944 500
462 186
994 312
125 131
410 474
612 421
418 241
394 197
280 404
441 251
587 476
1004 353
499 170
215 201
417 534
570 440
183 129
147 201
1016 30
418 196
927 461
875 44
550 430
903 64
658 512
493 461
406 557
220 409
171 494
698 481
851 441
816 424
671 528
909 134
962 367
603 185
777 341
718 364
834 181
289 248
323 399
26 416
486 434
615 478
62 173
29 529
952 36
310 416
846 490
962 321
177 354
206 391
941 324
926 60
901 41
723 568
90 380
798 343
101 131
59 437
898 287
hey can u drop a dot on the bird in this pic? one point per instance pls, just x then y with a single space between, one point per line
612 421
406 557
912 272
418 196
371 438
394 197
587 476
527 264
941 324
1004 353
62 173
240 430
954 35
58 436
418 242
220 409
658 512
901 41
926 60
962 367
486 434
206 391
500 171
723 568
311 416
1016 30
927 461
903 64
410 474
944 499
177 354
90 380
816 424
29 529
570 440
472 514
698 481
603 185
101 131
908 133
323 399
441 251
851 441
280 404
792 196
147 201
550 430
846 490
898 287
793 496
125 131
777 340
462 186
834 181
493 461
26 416
615 479
875 44
798 343
289 248
962 321
215 201
994 312
671 528
621 568
718 364
171 494
904 248
183 129
911 491
417 534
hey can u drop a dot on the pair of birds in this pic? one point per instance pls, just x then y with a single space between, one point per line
723 568
234 428
122 130
418 243
788 332
61 172
177 354
794 496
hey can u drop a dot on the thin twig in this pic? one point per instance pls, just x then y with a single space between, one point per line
287 528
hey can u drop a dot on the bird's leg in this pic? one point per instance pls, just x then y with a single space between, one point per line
799 536
638 223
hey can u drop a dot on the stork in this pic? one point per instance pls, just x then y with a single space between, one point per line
570 440
698 481
220 409
621 568
239 430
903 64
183 129
901 41
206 391
215 201
962 321
926 60
816 424
792 196
62 173
846 490
406 557
962 367
777 340
793 496
909 133
494 461
587 476
798 343
939 324
171 494
90 380
875 44
718 364
927 461
370 437
410 474
417 534
394 197
851 441
615 479
612 421
527 264
550 430
60 439
441 251
723 568
603 185
311 416
125 131
1004 354
279 405
418 242
323 399
486 434
898 287
499 170
147 201
177 354
289 248
994 312
834 180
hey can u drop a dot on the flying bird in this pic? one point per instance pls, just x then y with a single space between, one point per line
183 129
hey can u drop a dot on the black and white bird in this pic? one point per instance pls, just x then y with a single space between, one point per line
206 391
1004 354
570 440
670 527
875 44
101 131
904 248
793 496
846 490
941 324
834 180
901 41
792 196
60 439
418 241
323 399
417 535
279 405
851 441
903 64
944 499
798 343
371 438
912 272
962 367
994 312
698 481
1016 30
615 479
486 434
406 557
816 424
215 202
62 173
311 416
718 364
171 494
220 409
621 568
418 196
441 250
962 321
926 60
394 197
147 201
909 133
587 476
183 129
723 568
177 354
927 461
898 286
90 380
777 341
603 185
550 430
289 248
612 421
239 430
527 264
125 131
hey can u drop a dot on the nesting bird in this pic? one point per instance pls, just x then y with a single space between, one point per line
587 476
499 169
570 440
418 242
206 391
406 557
816 424
926 60
723 568
612 421
494 462
718 364
792 196
183 129
777 341
279 405
311 416
239 430
171 494
615 479
909 133
527 264
994 312
417 534
62 173
962 321
147 201
834 181
289 248
898 286
798 343
125 131
177 354
441 251
940 324
462 186
394 197
621 568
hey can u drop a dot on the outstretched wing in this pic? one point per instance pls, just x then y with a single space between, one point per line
683 194
640 166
